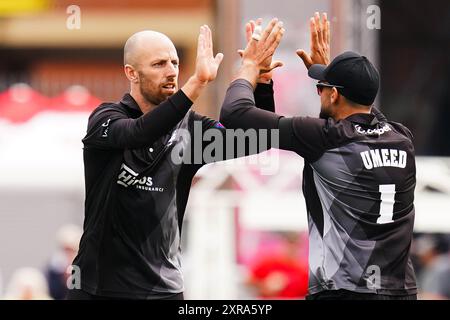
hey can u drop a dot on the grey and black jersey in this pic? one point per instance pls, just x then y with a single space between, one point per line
358 182
136 195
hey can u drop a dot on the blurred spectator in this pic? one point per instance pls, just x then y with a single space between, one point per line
433 257
27 284
282 275
68 239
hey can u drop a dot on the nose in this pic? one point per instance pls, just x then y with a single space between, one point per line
172 70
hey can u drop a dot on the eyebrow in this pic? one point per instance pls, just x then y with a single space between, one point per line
164 60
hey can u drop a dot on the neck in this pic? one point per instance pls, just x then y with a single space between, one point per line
346 111
143 104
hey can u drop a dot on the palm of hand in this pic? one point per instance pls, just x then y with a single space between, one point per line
207 68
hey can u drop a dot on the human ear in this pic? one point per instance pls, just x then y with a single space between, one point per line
334 96
131 73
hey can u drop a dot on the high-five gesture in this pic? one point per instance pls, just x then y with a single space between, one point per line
206 65
320 42
260 51
257 56
266 76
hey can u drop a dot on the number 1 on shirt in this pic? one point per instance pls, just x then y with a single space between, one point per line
387 203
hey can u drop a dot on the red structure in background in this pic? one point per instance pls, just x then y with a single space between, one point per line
75 99
20 102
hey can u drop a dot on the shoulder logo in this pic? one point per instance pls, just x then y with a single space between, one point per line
106 123
371 132
105 127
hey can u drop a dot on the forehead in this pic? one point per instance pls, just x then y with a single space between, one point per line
164 50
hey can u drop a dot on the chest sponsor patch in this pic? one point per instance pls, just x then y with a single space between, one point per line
129 178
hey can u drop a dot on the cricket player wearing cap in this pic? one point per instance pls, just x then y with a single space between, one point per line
359 175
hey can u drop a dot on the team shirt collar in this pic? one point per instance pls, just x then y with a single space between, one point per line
129 101
364 119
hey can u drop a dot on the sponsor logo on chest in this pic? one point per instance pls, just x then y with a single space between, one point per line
128 177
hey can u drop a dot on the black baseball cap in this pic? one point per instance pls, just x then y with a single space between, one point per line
355 73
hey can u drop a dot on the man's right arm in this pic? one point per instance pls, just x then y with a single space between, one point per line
308 137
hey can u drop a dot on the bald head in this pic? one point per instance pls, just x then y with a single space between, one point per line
144 42
151 65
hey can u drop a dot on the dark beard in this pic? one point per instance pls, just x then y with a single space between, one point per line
147 96
324 115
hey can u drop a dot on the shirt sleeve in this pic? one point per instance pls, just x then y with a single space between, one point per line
219 144
111 128
264 97
239 109
308 137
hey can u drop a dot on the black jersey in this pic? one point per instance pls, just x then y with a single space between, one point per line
358 182
136 195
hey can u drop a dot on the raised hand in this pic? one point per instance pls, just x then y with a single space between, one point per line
320 42
264 77
260 52
206 65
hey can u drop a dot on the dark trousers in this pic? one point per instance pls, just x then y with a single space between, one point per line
350 295
75 294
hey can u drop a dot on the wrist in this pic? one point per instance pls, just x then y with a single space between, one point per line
198 82
249 62
249 71
264 80
194 87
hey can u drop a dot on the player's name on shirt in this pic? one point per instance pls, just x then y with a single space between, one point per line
384 158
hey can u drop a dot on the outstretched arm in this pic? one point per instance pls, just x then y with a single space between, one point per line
239 111
264 90
257 56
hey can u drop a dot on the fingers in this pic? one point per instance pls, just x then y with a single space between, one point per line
276 64
327 35
253 24
276 34
201 40
322 27
248 31
208 38
319 27
305 57
314 33
218 59
325 28
257 31
269 29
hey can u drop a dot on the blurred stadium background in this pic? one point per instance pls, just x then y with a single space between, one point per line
245 234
